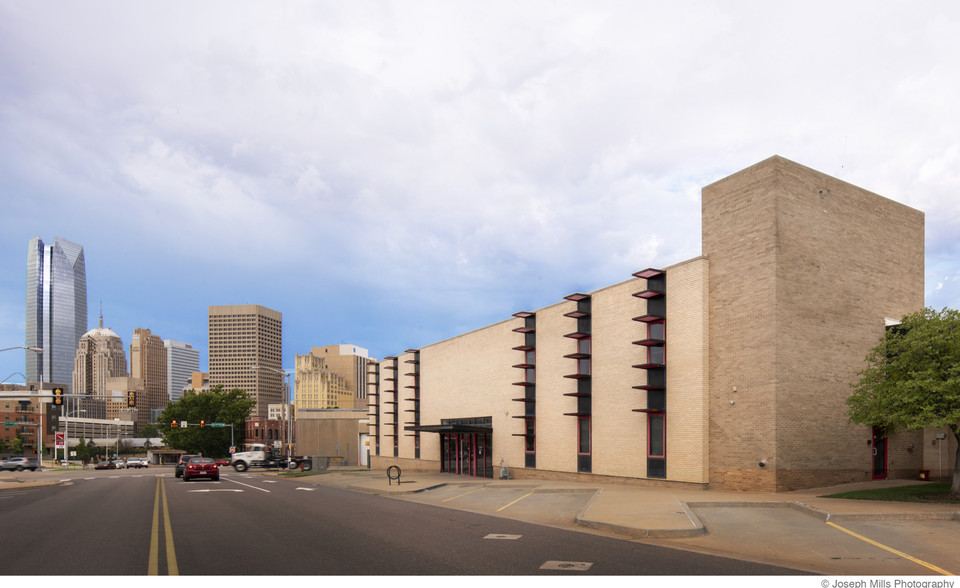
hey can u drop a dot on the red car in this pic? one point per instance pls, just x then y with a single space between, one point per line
201 467
222 462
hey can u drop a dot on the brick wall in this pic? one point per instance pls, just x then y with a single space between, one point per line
803 270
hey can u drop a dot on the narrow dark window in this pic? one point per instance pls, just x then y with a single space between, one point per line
531 444
583 435
657 435
656 330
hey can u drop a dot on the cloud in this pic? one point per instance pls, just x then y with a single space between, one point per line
446 158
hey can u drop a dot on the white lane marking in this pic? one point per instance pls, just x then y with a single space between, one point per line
570 566
502 536
307 489
217 490
247 485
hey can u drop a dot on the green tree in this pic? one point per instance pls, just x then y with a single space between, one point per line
215 406
85 452
913 379
16 446
149 431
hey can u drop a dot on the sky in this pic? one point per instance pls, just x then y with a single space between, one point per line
393 174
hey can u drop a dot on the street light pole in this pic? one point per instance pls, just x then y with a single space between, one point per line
285 430
38 351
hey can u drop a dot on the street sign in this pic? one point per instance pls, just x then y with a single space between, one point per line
218 425
10 423
59 440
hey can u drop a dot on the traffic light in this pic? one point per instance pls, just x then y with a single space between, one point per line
131 398
202 423
58 396
173 424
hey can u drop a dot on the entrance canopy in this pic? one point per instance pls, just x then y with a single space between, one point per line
451 428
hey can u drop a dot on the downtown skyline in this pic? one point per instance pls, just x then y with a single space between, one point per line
392 176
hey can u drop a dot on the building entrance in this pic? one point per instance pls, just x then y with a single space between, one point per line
879 455
467 454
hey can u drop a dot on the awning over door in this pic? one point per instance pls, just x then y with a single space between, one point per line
451 428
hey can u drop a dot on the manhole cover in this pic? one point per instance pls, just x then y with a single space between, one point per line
570 566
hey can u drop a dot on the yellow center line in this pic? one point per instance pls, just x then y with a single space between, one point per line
155 534
172 569
462 495
153 565
515 501
891 550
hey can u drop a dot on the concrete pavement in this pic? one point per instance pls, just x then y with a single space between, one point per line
661 512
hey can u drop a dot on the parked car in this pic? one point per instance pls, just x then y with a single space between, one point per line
138 462
201 467
118 463
105 465
182 463
19 464
222 462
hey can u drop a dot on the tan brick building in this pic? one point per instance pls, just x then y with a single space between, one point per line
148 362
246 344
318 386
728 370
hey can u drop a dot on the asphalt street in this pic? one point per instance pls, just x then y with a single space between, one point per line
148 522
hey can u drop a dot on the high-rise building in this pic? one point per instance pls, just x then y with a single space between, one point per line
99 356
318 386
350 362
182 361
246 348
56 308
148 361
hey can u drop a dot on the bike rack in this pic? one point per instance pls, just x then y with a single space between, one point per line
391 477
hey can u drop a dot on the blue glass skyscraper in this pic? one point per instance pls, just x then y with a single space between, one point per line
56 308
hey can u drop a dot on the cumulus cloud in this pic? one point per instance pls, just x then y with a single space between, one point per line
467 159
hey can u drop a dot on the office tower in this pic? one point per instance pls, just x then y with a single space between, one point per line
182 361
148 361
350 362
99 356
56 308
246 347
318 386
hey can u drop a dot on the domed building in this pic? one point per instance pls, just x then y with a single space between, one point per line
100 356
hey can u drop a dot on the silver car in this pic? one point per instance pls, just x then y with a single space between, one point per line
19 464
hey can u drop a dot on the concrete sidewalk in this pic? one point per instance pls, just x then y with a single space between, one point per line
658 512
